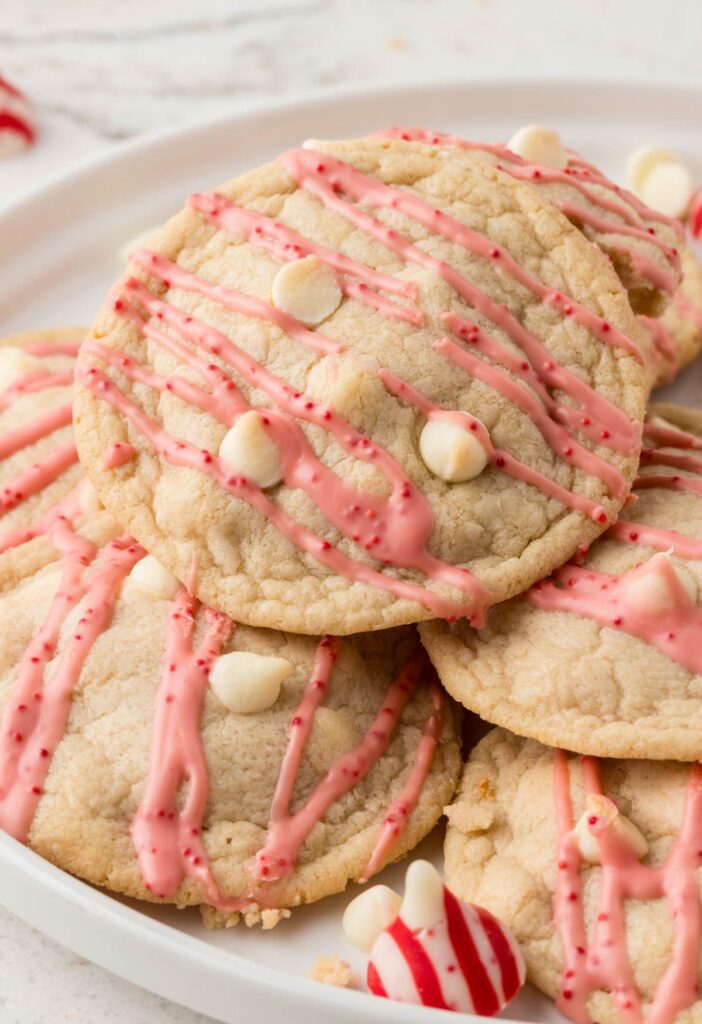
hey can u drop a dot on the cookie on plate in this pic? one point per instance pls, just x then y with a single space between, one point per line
605 657
595 869
643 244
157 749
363 388
677 335
39 470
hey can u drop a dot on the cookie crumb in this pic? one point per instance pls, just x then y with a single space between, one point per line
331 970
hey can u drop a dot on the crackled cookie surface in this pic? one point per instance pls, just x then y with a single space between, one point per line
363 387
594 866
604 658
643 244
160 750
39 470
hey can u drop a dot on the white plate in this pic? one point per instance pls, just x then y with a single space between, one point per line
57 258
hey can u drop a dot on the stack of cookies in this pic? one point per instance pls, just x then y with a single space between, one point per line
376 383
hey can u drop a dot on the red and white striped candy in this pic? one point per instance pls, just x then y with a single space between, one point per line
466 961
694 217
17 130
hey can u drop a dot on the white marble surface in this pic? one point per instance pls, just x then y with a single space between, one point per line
100 72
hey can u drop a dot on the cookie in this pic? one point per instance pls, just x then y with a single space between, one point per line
320 373
677 336
156 749
643 244
604 658
39 470
594 866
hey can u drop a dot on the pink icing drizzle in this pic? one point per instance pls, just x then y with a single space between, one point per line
402 806
286 244
604 962
497 457
676 632
288 830
117 454
37 476
402 546
582 177
165 831
35 719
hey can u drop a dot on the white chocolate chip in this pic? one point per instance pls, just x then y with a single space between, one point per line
668 188
306 289
369 914
89 501
539 145
641 163
451 452
154 579
15 364
651 592
604 809
423 901
247 683
140 241
247 449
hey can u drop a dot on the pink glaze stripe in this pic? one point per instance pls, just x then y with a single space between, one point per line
288 830
117 454
35 718
53 348
395 529
663 435
32 383
69 507
237 302
167 833
13 441
603 226
179 453
324 177
670 480
37 476
655 537
664 349
300 728
604 964
595 423
577 174
403 805
285 245
497 457
676 632
561 442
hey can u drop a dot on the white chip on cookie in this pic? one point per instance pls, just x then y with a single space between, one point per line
654 591
668 188
247 449
641 162
451 452
423 901
369 914
307 289
601 809
247 683
538 145
153 579
15 364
